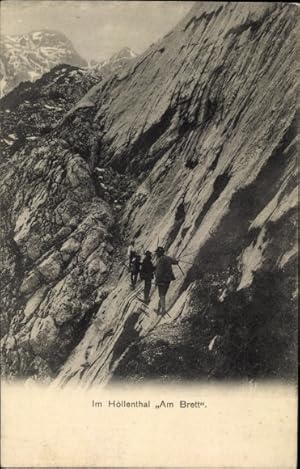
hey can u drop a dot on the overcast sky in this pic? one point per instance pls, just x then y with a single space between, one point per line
97 28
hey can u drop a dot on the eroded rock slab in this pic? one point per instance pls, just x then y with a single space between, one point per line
208 112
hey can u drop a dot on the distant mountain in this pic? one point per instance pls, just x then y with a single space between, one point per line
114 63
27 57
205 120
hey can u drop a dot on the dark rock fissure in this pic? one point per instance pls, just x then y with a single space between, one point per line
253 25
218 187
70 335
131 161
216 159
128 336
206 17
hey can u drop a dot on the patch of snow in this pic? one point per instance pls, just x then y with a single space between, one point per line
252 259
8 142
212 343
223 295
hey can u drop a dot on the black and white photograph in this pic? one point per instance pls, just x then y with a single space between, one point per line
149 204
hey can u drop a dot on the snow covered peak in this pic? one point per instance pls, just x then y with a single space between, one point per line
114 63
26 57
125 53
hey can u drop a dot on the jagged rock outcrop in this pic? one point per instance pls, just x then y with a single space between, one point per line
34 109
59 250
209 112
26 57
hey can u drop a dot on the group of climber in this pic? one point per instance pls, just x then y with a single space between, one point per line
162 271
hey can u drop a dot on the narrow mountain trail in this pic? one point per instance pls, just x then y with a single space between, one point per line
208 112
121 323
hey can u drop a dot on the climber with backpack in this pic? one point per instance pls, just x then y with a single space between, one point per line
164 276
146 274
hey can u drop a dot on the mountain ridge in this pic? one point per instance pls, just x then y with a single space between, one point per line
183 118
27 56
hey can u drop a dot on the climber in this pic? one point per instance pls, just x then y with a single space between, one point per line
135 268
131 253
164 275
146 274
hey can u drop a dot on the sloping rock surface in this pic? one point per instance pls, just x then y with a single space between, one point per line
208 112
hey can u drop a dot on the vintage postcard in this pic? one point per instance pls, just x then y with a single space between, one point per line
149 216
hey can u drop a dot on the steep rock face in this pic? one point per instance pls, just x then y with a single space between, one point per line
58 255
26 57
208 112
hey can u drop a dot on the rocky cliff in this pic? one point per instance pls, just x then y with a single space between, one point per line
208 112
26 57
